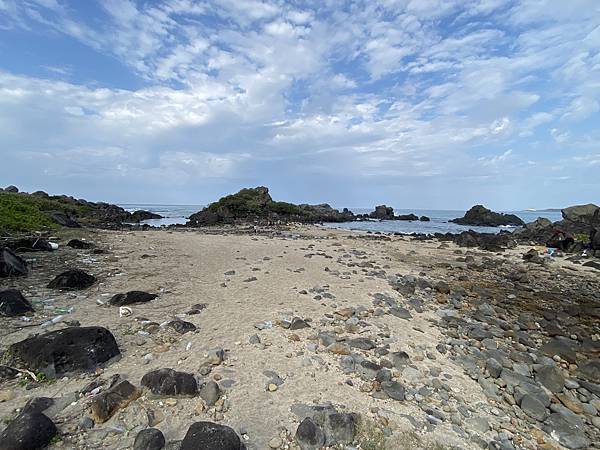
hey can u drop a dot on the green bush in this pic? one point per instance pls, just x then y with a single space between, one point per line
20 213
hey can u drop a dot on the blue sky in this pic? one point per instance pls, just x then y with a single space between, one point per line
413 103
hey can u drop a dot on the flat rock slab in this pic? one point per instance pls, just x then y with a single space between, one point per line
169 382
13 303
567 434
590 370
72 280
63 351
28 431
131 297
210 436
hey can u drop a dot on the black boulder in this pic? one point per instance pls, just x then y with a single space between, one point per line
210 436
170 382
149 439
64 351
28 431
131 297
12 303
72 279
11 265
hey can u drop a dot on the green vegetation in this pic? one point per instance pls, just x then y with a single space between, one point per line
22 212
18 213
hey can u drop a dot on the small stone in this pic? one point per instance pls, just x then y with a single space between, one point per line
210 393
275 442
271 387
171 402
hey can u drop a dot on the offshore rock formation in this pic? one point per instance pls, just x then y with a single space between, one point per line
480 216
256 206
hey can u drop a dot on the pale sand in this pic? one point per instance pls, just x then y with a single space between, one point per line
189 267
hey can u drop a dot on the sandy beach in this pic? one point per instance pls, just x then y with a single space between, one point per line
246 280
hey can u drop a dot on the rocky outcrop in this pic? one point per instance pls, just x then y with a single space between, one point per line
382 212
64 351
410 217
140 215
256 206
480 216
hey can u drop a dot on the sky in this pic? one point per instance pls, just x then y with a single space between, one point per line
413 103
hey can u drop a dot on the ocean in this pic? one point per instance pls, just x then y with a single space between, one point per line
178 214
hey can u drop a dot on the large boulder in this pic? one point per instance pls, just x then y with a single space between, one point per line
28 431
12 303
210 436
11 265
72 279
480 216
585 214
64 351
12 189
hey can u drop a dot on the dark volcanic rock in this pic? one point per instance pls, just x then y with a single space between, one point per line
309 435
131 298
478 215
382 212
210 436
149 439
63 219
568 434
170 382
406 217
30 431
107 403
181 326
12 303
64 351
256 205
8 373
11 265
79 244
424 219
141 215
72 279
590 370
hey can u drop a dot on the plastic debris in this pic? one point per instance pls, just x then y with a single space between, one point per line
125 311
52 321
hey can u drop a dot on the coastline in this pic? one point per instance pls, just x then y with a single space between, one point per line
306 271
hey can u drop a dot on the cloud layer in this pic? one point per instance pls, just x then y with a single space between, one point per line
420 103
